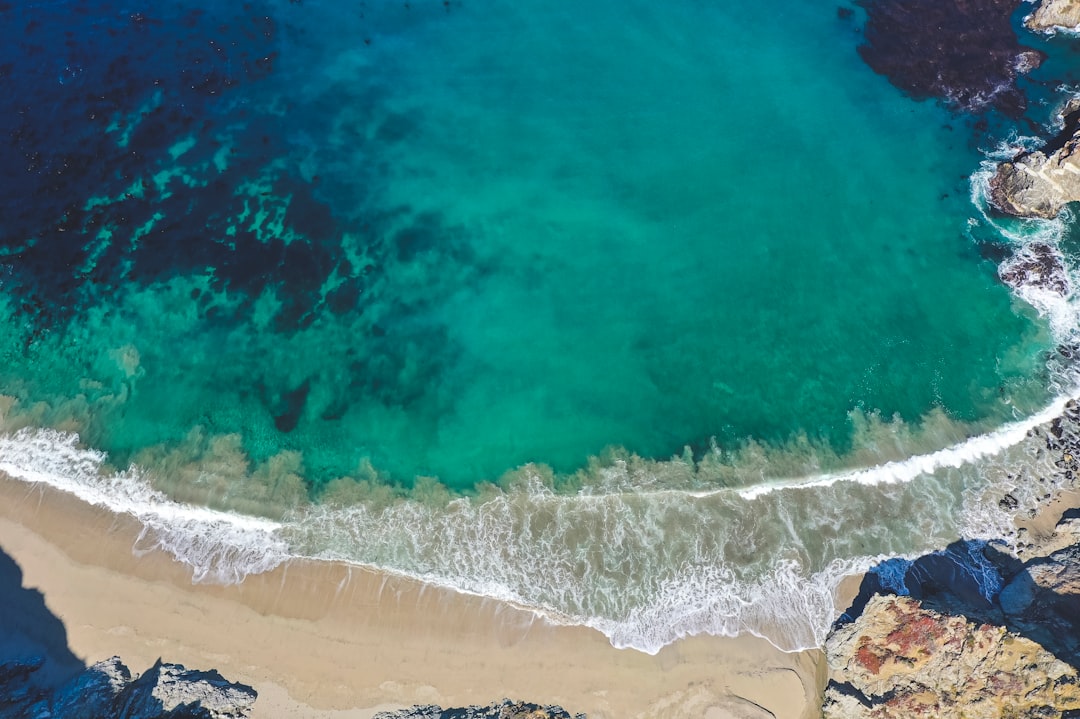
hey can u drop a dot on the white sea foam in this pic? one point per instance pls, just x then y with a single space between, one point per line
644 569
966 452
629 556
1061 312
218 546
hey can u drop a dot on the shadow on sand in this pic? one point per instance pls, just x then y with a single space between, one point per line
30 634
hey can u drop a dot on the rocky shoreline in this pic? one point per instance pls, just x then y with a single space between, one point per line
978 633
1054 16
975 630
108 690
1041 182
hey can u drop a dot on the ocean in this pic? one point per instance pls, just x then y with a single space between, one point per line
655 318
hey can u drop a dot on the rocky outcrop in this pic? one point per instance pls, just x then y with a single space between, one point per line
978 629
1040 183
1037 265
107 690
1037 185
505 709
899 659
1054 15
1043 601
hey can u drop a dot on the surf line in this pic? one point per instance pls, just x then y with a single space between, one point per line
896 472
136 498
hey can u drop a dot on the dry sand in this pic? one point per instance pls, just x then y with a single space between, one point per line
322 639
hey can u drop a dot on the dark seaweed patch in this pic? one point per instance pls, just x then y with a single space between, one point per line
142 148
964 52
96 120
291 407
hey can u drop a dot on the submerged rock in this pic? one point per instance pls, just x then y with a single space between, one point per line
899 659
963 52
1054 15
505 709
1042 182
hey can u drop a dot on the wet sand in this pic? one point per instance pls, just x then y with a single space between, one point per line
324 639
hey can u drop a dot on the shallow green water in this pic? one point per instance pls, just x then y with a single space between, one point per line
611 225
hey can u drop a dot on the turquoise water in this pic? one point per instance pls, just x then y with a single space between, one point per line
629 261
616 225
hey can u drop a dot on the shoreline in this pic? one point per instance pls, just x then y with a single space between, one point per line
325 639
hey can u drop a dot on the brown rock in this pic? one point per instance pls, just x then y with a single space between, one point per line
1036 185
1054 15
1042 182
901 660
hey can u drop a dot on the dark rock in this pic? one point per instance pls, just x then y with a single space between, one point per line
93 693
964 578
170 690
17 692
505 709
1036 265
106 691
1043 602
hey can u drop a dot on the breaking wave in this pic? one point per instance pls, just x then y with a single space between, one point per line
644 568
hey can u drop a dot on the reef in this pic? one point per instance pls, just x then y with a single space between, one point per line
108 689
1041 182
1054 15
964 53
505 709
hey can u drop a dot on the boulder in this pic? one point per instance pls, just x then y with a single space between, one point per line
1037 185
167 690
91 694
899 659
1043 601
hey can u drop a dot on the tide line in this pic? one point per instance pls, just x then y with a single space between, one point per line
966 452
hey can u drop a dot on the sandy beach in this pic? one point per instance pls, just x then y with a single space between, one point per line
322 639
